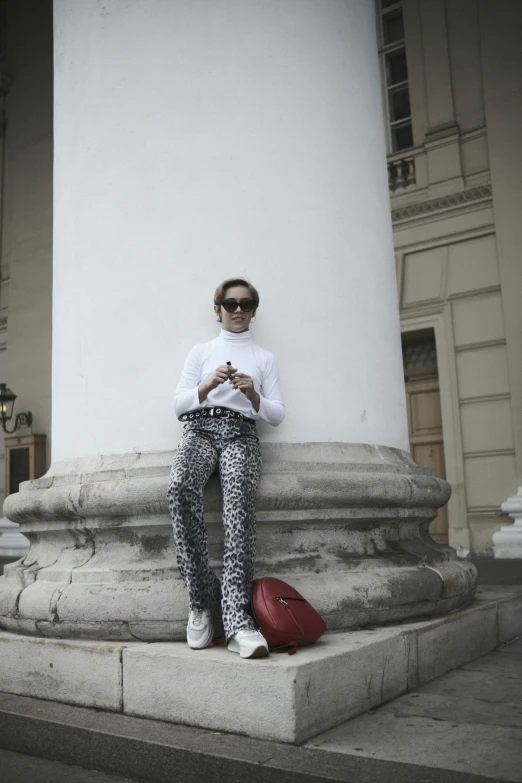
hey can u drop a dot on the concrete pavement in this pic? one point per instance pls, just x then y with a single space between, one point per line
469 719
20 768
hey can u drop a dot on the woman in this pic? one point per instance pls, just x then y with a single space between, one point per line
226 386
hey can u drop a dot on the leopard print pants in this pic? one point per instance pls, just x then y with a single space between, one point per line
233 446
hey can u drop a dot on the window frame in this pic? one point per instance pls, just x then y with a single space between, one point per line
384 50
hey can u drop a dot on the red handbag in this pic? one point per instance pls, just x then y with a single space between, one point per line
285 618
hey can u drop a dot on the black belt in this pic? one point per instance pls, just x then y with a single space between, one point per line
214 413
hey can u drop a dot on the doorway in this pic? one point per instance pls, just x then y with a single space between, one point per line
421 379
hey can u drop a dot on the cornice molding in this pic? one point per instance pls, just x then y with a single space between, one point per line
439 204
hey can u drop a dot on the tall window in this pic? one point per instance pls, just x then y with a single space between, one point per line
392 53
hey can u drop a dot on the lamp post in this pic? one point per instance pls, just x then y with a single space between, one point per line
7 401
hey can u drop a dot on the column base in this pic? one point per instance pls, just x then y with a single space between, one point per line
346 524
321 686
507 542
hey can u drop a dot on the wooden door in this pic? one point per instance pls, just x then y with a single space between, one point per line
426 442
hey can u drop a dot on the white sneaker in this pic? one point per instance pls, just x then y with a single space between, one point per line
200 629
249 644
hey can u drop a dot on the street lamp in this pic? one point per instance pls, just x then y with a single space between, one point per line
7 401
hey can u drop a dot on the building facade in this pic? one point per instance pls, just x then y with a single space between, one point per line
452 82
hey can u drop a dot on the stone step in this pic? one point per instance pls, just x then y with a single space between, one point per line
156 752
22 768
282 698
470 718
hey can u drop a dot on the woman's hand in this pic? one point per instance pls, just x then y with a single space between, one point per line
221 374
245 384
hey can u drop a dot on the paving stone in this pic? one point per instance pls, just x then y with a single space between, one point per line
20 768
512 648
491 751
498 665
482 685
462 709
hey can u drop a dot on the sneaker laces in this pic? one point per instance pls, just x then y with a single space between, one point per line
247 632
198 617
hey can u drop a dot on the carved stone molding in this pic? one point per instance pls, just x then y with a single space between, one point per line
346 524
401 173
444 202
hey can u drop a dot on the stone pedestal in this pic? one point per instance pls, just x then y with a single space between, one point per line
346 525
507 542
209 140
285 698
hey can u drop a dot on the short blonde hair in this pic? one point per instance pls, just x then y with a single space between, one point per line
221 290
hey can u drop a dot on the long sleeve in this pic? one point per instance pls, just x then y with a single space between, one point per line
186 396
249 358
271 407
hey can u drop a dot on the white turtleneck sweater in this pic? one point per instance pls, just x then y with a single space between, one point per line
247 357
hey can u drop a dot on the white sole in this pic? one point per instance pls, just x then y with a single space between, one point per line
199 646
258 652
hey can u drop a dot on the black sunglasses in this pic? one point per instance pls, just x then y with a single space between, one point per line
231 305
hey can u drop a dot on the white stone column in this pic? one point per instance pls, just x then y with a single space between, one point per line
211 139
195 141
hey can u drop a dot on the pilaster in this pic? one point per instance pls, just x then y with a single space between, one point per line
441 140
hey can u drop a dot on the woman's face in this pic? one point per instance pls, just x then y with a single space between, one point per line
237 321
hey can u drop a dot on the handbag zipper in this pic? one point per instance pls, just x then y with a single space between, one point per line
283 600
287 598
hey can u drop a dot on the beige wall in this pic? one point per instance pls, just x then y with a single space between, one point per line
458 236
454 281
26 267
501 37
